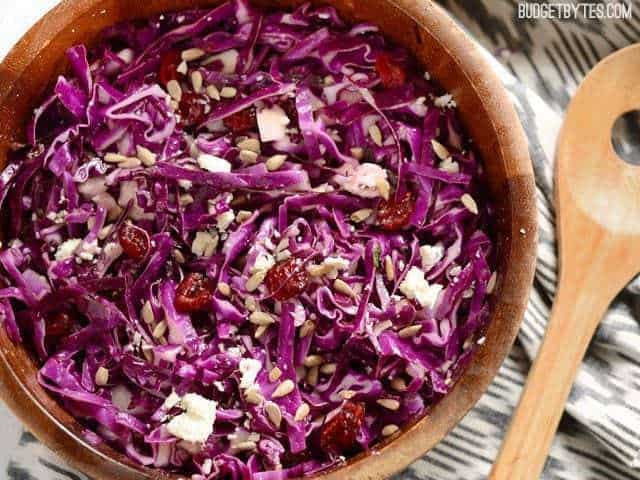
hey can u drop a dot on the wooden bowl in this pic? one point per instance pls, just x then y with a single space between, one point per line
453 60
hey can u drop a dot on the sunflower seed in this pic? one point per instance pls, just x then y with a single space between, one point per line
251 144
409 331
114 158
243 215
224 289
384 188
275 374
274 413
302 412
261 318
468 201
312 361
284 389
244 446
307 327
253 396
440 150
146 156
102 376
174 89
228 92
491 284
399 385
328 368
375 134
347 394
255 280
196 81
177 254
182 67
389 269
388 403
192 54
130 163
147 313
275 162
343 287
212 92
312 376
361 215
248 156
357 153
380 327
260 331
389 430
186 199
160 329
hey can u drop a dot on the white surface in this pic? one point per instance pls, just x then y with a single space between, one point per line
16 17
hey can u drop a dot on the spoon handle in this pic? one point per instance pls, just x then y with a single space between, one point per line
574 318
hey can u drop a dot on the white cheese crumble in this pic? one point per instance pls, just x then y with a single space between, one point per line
67 248
171 401
430 255
272 123
415 286
249 367
368 180
225 219
213 164
445 101
196 423
89 250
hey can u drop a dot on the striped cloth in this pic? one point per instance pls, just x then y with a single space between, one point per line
542 62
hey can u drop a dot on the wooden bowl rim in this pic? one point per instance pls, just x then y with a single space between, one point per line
390 456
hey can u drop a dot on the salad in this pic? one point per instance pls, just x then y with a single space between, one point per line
245 244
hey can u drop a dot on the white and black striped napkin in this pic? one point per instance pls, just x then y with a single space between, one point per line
599 438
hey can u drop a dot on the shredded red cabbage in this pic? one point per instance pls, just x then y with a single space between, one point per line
245 244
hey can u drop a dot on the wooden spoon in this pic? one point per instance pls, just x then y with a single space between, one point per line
598 221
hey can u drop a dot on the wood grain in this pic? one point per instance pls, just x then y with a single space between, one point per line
598 198
486 112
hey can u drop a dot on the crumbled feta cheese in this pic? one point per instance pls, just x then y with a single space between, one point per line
249 367
367 180
272 123
67 248
196 423
264 261
171 401
225 219
415 286
89 250
445 101
431 254
213 164
121 397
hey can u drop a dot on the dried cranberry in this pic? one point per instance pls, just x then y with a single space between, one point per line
168 67
338 435
192 108
241 121
57 326
393 214
134 241
194 294
287 279
391 74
